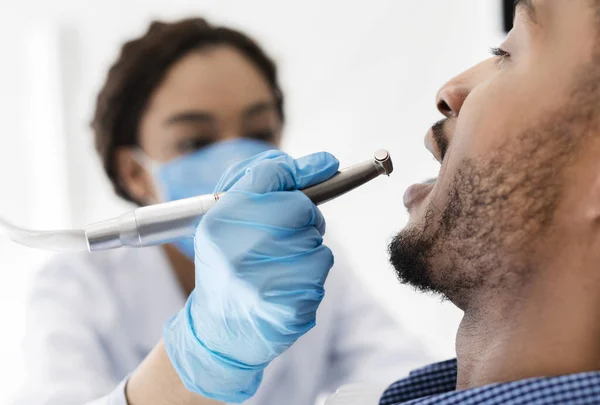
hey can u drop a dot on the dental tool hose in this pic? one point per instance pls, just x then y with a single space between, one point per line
163 223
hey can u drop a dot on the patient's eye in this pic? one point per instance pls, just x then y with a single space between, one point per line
501 55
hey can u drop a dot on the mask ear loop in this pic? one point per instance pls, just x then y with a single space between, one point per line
152 167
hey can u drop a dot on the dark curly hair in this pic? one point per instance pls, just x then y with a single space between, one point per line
140 68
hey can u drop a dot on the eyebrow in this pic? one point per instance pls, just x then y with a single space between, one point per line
190 116
206 117
529 8
258 108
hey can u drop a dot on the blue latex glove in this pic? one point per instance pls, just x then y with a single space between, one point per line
260 270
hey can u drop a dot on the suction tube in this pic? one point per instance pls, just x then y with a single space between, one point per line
166 222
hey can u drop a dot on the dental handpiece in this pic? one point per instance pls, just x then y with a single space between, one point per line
166 222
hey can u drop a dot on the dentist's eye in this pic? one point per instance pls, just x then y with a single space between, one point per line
501 54
193 144
265 135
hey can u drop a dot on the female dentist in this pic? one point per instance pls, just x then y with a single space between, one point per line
180 105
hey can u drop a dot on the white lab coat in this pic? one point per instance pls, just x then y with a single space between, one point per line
93 317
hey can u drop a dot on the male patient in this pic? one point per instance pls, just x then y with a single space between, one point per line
510 233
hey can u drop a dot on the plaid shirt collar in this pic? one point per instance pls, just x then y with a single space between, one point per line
436 385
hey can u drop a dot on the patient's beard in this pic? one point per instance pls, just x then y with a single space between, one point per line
495 218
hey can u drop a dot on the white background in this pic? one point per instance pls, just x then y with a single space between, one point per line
358 76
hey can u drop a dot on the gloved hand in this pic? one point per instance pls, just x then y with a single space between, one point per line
260 270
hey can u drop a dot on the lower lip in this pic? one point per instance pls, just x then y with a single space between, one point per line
416 194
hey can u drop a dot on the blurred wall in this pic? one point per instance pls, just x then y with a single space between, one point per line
358 76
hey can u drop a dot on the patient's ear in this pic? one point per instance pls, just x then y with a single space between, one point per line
593 198
578 183
134 178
